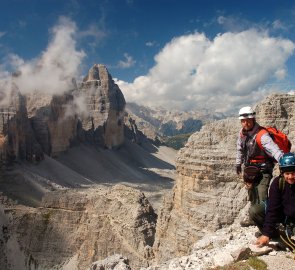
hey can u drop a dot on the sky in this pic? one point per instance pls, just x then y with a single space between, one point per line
179 54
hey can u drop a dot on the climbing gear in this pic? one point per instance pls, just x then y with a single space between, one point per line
286 232
287 163
246 112
279 137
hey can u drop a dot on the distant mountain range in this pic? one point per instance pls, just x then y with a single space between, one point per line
168 125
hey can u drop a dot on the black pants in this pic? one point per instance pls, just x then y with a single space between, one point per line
257 196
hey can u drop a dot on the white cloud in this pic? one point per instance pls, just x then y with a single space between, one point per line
2 34
150 43
232 23
278 25
53 70
192 71
93 31
127 63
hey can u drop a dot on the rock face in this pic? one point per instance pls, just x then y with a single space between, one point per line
55 129
86 225
17 139
105 105
279 111
207 194
41 123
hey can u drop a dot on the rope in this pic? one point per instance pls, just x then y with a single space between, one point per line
288 242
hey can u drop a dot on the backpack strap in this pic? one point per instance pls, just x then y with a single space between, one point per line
282 183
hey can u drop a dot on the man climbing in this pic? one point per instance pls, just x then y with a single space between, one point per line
280 205
258 163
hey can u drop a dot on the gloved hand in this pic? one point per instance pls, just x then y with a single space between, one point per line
238 168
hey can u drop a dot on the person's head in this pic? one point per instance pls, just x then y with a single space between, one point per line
247 117
287 167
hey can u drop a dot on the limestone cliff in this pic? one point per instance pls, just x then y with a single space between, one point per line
103 122
17 139
54 127
279 111
43 123
208 194
85 226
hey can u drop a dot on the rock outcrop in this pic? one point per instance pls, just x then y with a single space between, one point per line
207 194
38 123
278 110
54 128
104 103
17 139
82 226
115 262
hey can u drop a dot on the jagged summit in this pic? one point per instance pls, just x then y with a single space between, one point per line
92 113
95 72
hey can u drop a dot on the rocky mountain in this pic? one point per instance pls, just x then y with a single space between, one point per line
160 122
40 123
62 157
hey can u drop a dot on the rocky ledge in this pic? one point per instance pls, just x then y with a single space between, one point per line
81 226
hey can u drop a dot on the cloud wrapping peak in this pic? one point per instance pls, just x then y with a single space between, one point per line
194 72
53 71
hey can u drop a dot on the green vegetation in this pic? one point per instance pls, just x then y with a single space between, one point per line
177 141
257 264
234 266
251 263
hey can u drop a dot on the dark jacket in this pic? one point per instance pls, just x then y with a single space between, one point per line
281 204
248 150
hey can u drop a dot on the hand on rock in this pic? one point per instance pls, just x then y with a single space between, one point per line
262 241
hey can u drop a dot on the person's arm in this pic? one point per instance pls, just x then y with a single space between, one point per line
239 156
273 213
270 147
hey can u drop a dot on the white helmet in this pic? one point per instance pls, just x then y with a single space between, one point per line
246 112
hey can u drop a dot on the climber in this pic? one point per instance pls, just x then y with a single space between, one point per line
280 205
258 164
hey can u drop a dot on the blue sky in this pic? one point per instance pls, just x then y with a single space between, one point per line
186 54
